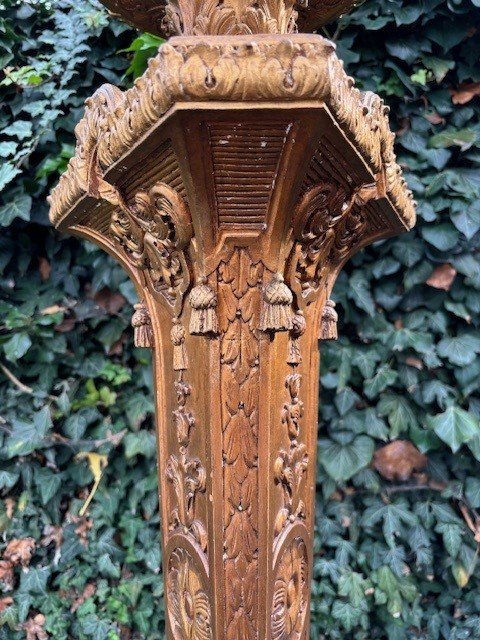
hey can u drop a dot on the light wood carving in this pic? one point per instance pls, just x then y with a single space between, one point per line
227 17
232 182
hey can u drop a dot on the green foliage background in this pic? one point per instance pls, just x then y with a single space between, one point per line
391 562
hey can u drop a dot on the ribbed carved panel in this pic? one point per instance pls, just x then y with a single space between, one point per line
245 159
327 164
161 166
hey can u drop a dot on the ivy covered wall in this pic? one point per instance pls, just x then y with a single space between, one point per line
396 551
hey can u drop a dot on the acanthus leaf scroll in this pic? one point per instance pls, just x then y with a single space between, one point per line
188 478
327 224
154 232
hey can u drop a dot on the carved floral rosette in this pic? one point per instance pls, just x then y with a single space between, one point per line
291 584
187 591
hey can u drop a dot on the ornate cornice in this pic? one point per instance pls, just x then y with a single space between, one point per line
270 68
226 17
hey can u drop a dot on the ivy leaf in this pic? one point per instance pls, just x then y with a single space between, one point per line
467 220
20 129
107 567
8 479
399 413
352 586
48 483
452 537
35 580
346 614
459 350
28 436
384 378
463 138
345 400
344 460
439 66
360 292
17 346
472 492
442 236
7 173
18 207
454 426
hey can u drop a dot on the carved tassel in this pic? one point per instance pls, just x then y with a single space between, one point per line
203 320
328 324
298 329
142 326
177 335
277 314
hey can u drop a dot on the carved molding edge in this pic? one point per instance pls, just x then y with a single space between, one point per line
277 68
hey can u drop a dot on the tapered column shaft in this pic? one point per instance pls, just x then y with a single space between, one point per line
237 439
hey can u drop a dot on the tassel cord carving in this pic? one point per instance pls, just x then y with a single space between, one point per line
277 314
203 301
328 322
142 326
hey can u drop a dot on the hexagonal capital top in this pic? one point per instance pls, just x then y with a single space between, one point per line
227 17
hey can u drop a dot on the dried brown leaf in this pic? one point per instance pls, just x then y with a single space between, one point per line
112 302
5 602
9 507
435 118
442 277
44 268
34 628
398 460
87 593
55 308
20 551
67 324
52 533
414 362
465 92
7 576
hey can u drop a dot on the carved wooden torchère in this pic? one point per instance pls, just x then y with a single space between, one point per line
232 182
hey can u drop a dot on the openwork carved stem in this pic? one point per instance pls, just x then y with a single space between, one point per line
232 183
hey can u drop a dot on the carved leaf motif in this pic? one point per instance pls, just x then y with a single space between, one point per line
293 410
240 284
183 421
229 17
289 470
314 226
188 478
154 232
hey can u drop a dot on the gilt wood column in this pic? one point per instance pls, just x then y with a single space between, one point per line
232 182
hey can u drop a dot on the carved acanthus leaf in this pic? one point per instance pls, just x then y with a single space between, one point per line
290 467
228 17
153 232
327 225
188 478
